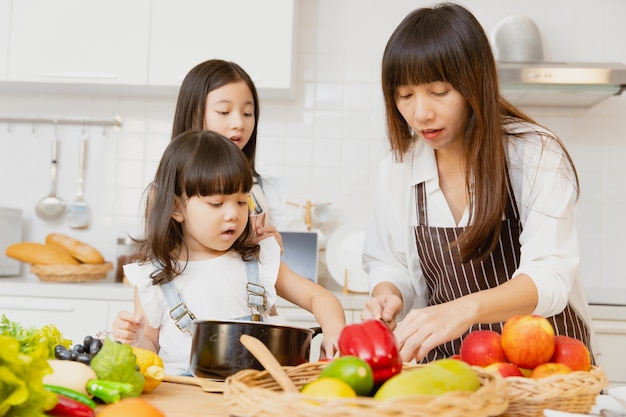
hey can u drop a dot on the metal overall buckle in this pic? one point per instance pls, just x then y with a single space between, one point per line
179 313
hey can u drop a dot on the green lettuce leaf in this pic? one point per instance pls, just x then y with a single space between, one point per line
117 362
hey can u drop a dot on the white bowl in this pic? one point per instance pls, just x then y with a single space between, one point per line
619 393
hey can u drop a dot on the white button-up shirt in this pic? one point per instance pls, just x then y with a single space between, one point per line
544 189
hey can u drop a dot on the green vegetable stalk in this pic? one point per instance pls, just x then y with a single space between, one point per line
24 357
108 391
117 362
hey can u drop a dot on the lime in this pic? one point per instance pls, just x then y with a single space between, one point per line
328 388
352 370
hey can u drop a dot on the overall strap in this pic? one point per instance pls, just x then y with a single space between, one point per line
178 310
257 299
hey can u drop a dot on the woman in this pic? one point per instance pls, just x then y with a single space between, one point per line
473 221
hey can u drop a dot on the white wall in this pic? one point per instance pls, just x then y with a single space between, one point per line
328 141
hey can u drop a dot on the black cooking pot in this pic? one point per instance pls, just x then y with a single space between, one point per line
217 352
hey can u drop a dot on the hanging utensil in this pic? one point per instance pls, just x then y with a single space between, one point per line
78 210
51 207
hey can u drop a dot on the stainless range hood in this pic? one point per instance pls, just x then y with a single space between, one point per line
560 84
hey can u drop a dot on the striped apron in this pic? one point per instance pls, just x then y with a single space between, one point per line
447 278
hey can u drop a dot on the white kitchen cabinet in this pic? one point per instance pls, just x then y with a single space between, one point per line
77 41
5 16
610 325
258 35
74 318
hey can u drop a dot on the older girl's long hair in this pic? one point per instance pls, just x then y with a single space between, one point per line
197 84
447 43
195 163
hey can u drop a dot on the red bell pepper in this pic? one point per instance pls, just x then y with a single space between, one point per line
67 407
374 342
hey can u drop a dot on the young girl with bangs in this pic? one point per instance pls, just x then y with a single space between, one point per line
197 255
473 220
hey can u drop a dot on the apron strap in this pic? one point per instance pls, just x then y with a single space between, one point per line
178 310
257 298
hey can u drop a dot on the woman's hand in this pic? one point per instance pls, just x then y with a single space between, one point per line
426 328
383 307
328 348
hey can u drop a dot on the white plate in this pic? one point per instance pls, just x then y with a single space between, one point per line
343 257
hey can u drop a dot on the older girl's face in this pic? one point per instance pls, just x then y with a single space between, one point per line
230 112
435 111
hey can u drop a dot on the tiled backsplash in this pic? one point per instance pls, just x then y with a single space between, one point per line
326 143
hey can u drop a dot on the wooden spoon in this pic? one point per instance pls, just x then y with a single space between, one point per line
207 385
267 359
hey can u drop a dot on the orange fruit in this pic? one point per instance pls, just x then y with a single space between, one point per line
352 370
126 407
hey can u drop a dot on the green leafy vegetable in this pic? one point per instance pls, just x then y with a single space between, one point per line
23 363
117 362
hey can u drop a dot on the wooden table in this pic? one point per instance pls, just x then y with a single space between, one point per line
178 400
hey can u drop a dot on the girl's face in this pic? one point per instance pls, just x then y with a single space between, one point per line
436 112
230 112
211 224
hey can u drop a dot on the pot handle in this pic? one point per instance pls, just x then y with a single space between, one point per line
316 330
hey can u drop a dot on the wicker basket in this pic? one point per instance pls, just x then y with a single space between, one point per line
575 393
72 273
256 393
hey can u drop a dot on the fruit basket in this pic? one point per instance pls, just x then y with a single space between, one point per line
255 393
575 392
72 273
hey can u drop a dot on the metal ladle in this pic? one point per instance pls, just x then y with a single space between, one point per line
51 207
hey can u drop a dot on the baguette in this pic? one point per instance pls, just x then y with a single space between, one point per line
80 250
40 254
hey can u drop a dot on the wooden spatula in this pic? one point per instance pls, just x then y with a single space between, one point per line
207 385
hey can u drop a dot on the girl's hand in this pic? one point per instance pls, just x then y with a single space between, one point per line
328 348
383 307
128 328
263 232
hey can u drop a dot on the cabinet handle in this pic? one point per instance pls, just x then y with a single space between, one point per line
85 75
67 309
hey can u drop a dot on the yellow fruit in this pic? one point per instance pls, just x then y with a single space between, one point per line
151 367
352 370
328 388
435 378
135 407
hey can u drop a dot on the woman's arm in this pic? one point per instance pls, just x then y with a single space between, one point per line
316 299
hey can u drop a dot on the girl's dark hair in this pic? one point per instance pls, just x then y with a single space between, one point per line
195 163
197 84
447 43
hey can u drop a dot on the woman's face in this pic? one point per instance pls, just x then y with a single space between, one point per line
435 111
230 112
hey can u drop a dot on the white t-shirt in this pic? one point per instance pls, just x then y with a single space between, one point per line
213 289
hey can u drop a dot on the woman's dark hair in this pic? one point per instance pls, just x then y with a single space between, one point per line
447 43
197 84
195 163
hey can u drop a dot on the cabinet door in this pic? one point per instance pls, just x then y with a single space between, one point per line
77 41
612 338
258 35
74 318
5 14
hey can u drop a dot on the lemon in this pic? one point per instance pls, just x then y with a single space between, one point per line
352 370
151 367
328 388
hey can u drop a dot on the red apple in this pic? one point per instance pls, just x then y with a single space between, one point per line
572 352
528 340
482 348
505 369
549 368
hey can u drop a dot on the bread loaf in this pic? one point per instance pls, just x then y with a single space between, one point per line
79 250
40 254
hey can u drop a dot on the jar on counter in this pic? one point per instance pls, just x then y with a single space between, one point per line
127 252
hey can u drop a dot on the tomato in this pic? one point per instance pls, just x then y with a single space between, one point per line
352 370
